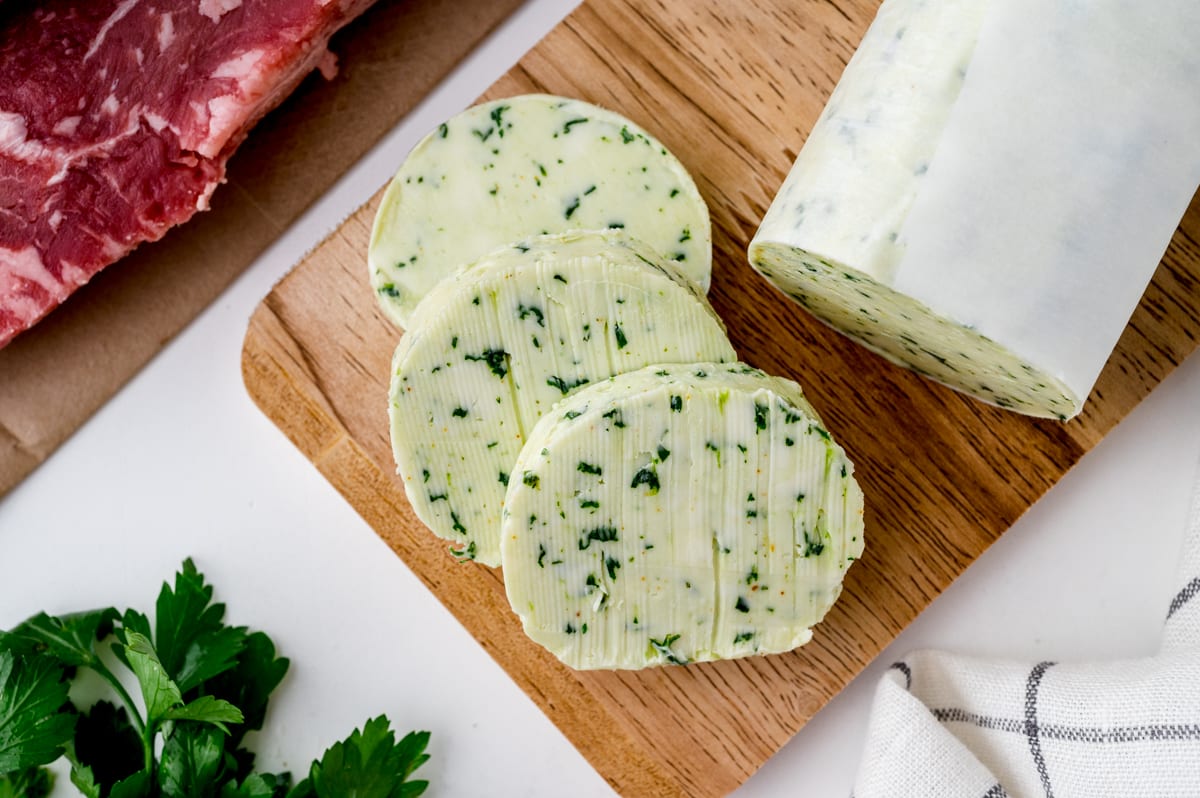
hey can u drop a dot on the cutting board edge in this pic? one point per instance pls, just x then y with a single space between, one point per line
626 768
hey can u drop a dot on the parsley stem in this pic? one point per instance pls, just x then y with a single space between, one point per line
135 717
148 751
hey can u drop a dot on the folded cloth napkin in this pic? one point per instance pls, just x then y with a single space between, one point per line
944 726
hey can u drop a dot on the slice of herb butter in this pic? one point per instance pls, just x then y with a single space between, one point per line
494 347
678 514
528 165
985 206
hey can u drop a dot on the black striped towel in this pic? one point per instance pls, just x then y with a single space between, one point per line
945 726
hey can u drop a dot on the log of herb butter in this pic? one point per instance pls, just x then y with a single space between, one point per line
502 171
678 514
990 188
492 349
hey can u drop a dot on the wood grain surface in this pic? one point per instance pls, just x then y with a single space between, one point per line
732 89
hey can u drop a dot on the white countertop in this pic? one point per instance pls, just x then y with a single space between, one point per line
181 463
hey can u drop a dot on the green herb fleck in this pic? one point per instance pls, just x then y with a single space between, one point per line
602 534
496 360
572 122
663 453
620 336
663 647
646 476
459 412
588 504
588 468
742 605
572 206
676 404
443 130
525 311
541 555
564 386
813 544
504 479
626 136
612 565
616 417
760 416
530 480
743 637
497 117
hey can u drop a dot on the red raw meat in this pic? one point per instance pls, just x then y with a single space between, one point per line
117 118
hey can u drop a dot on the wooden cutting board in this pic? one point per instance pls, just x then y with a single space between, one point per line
732 88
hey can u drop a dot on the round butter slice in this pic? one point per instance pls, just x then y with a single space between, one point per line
678 514
496 346
523 166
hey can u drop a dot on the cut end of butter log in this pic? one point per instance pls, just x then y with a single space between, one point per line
991 187
678 514
504 170
494 347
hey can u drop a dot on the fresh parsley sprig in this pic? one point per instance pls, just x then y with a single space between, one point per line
204 685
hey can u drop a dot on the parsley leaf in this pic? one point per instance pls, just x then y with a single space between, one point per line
190 636
70 639
248 685
204 685
159 692
162 696
33 726
255 786
135 786
32 782
207 709
368 764
84 780
192 761
107 748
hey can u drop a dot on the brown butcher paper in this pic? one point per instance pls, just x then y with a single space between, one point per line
53 377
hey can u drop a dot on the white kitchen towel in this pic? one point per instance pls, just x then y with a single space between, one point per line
945 726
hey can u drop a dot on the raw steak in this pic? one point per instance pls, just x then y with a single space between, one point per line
117 118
